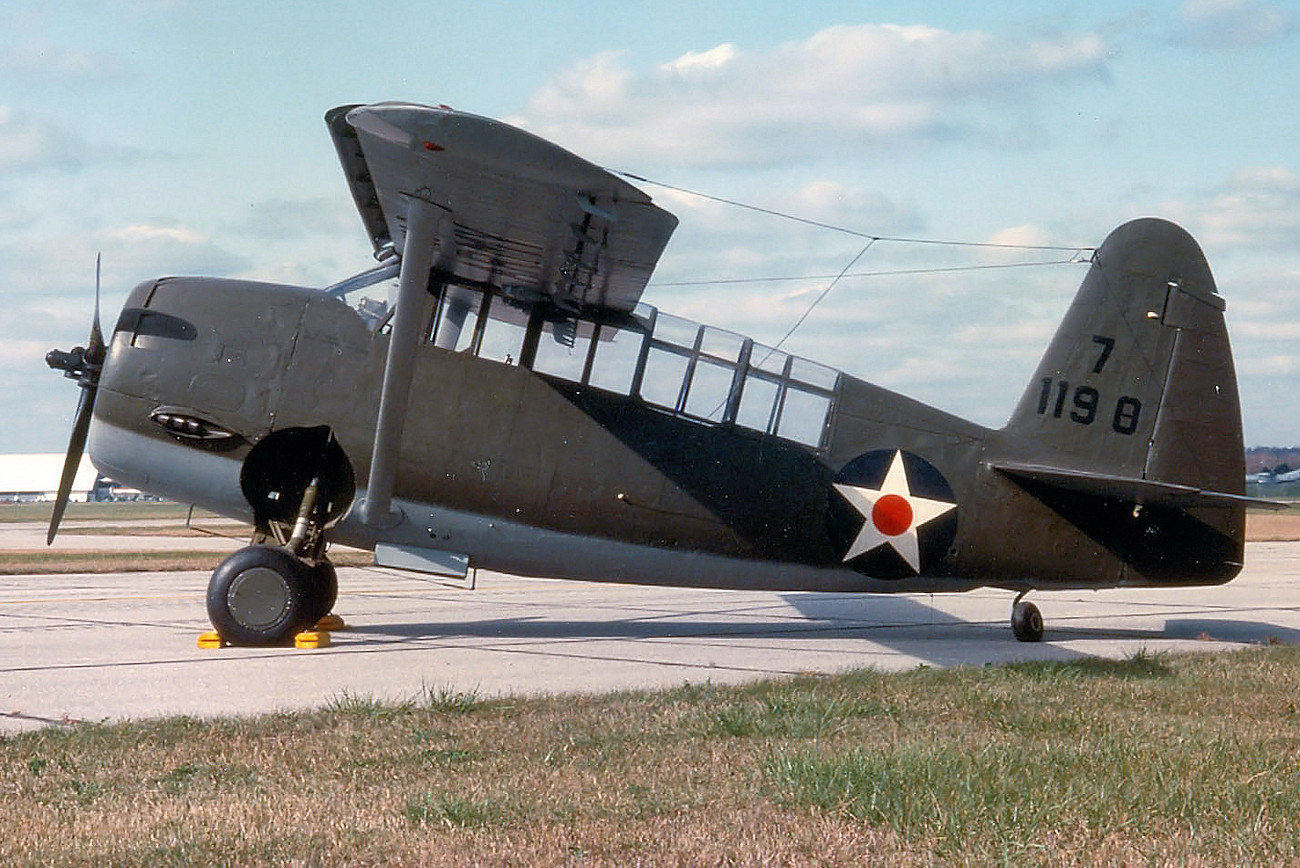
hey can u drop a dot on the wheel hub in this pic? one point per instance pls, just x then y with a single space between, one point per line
258 598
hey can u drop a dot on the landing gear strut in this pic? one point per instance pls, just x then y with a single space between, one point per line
1026 620
298 481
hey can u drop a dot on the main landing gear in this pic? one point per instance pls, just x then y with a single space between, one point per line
298 481
264 595
1026 620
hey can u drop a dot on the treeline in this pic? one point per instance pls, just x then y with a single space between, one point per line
1271 457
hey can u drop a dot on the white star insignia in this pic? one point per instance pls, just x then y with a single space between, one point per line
891 515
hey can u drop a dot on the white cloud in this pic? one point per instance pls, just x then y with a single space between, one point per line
1020 236
144 250
15 352
56 273
694 62
300 218
1255 208
1233 23
1268 366
843 89
13 215
1272 330
599 82
145 233
720 241
1025 334
27 142
854 208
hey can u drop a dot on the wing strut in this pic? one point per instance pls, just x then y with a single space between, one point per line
424 230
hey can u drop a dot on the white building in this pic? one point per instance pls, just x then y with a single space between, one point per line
35 477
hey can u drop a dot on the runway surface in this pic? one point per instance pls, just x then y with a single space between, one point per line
122 646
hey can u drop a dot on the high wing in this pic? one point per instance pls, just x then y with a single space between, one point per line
524 215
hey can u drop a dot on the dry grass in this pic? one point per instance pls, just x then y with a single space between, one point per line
47 562
15 512
231 529
1154 760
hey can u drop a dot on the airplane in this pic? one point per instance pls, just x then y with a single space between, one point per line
1272 477
494 394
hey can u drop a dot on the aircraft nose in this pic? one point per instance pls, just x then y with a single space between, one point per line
203 356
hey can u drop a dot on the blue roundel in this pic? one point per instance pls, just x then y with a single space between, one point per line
891 514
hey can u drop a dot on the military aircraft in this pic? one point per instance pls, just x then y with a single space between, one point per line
1272 477
493 394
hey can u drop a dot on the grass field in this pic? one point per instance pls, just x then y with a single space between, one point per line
1276 491
128 511
1154 760
1161 760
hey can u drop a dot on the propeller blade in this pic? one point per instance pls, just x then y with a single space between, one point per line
76 446
95 346
85 364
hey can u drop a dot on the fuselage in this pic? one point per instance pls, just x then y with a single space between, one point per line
494 395
641 448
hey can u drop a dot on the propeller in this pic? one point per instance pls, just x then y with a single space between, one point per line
82 364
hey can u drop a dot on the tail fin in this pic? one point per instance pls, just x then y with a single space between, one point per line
1135 404
1139 380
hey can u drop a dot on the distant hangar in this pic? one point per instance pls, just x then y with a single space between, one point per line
34 477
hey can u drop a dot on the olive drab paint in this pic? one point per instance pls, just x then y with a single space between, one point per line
536 417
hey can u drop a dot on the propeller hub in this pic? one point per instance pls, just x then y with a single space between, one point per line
76 364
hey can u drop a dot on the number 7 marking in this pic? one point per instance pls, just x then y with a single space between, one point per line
1107 344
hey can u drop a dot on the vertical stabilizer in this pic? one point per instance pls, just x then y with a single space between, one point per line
1131 427
1138 381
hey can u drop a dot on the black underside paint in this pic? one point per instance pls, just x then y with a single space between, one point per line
1162 543
772 494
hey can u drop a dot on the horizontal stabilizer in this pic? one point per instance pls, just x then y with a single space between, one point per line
1148 492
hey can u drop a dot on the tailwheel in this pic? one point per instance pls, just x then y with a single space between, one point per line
1026 621
261 595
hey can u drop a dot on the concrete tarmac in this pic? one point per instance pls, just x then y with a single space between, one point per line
122 646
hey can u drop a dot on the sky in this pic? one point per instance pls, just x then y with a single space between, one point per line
179 137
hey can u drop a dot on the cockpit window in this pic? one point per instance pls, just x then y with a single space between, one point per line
372 293
695 371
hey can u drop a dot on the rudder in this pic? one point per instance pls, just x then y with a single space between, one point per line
1131 427
1139 380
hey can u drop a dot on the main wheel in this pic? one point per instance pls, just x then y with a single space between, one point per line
325 589
1027 622
261 595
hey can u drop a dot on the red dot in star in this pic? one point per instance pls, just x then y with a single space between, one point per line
892 514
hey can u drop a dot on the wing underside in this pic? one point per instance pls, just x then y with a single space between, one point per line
524 215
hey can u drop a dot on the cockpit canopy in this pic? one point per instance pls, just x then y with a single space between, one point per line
698 372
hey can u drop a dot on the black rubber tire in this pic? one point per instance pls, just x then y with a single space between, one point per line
261 595
1027 622
325 590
